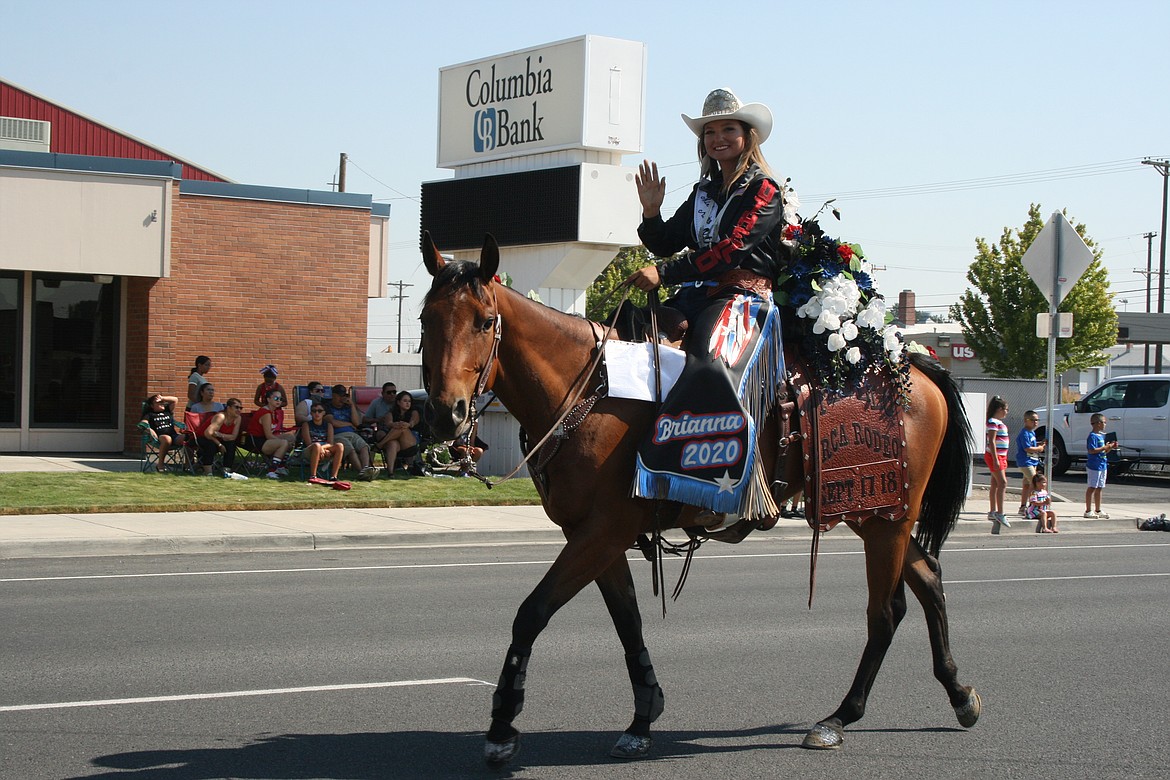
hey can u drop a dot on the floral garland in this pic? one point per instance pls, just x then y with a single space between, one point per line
842 315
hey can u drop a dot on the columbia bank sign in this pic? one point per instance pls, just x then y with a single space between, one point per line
582 93
493 126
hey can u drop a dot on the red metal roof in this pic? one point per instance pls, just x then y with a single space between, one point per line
73 133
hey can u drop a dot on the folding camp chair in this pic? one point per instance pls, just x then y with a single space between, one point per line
196 423
250 462
176 455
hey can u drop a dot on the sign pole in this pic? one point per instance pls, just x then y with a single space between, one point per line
1053 303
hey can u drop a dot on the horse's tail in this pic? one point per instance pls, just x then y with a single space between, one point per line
946 490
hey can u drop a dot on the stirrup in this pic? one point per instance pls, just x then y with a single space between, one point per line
713 521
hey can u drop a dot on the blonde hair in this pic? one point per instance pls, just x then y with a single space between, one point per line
751 154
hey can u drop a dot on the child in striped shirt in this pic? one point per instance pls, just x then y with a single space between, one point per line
995 456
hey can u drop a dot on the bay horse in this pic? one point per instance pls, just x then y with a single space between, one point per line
479 334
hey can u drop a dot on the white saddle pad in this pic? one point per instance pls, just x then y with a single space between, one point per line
630 366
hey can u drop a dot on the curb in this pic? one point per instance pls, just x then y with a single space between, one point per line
972 526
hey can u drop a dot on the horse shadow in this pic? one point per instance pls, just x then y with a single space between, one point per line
423 754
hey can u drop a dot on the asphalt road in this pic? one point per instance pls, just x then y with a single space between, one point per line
1064 637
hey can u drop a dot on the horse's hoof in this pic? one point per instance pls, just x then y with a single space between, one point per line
629 746
824 736
968 712
497 753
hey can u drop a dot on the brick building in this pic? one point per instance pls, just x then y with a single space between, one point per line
119 263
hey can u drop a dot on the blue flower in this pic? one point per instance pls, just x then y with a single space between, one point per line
864 281
831 269
800 297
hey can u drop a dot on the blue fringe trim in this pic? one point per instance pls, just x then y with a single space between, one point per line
759 390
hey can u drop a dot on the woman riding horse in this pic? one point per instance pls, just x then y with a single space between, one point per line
479 335
730 226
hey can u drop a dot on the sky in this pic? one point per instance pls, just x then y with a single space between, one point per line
932 124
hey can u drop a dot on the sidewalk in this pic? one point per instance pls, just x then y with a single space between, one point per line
153 533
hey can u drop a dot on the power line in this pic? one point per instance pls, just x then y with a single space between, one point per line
1004 180
384 184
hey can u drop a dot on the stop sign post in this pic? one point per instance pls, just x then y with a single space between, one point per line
1056 259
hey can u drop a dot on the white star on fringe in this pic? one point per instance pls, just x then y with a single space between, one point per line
725 483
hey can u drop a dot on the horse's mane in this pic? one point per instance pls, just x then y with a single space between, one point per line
455 273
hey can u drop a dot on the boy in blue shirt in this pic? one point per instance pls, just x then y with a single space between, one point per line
1096 466
1028 452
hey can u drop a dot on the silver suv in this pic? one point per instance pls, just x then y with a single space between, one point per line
1136 409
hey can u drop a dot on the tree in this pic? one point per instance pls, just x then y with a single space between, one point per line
603 295
920 315
999 320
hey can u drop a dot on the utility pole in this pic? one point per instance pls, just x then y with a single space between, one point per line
341 172
1162 167
1149 237
399 284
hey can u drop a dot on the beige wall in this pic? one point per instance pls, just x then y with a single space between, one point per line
379 257
89 223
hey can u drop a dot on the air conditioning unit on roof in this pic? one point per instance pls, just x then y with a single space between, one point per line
24 135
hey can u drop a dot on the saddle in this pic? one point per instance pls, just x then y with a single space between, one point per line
854 450
634 323
852 444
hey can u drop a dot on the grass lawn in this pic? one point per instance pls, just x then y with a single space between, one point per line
56 493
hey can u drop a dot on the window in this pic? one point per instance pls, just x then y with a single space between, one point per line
74 352
9 349
1147 394
1107 397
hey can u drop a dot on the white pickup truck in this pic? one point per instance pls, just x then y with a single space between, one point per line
1136 409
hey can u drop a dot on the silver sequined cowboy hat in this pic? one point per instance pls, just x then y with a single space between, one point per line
723 104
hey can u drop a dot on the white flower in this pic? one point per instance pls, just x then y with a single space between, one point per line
849 331
827 321
811 310
853 354
791 206
845 289
873 315
890 340
837 304
836 342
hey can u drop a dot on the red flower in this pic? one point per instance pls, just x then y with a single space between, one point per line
845 251
791 232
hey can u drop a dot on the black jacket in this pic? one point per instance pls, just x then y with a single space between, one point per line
749 232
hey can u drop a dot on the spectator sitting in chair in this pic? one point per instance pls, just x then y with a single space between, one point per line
381 407
268 434
342 413
398 429
317 433
206 401
303 412
269 373
158 412
224 433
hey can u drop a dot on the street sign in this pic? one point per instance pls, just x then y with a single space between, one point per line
1040 260
1064 325
1056 260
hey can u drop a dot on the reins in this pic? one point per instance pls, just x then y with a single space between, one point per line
660 543
558 427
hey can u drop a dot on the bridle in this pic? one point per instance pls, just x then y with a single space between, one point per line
467 464
557 429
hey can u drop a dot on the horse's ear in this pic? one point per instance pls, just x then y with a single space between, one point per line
431 257
489 258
